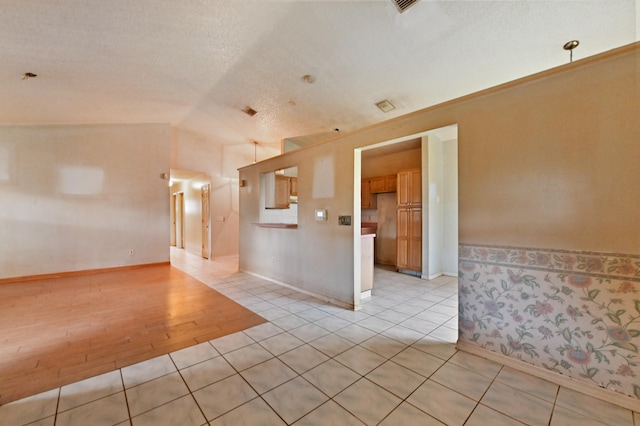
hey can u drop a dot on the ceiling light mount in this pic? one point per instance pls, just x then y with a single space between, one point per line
570 45
249 111
28 75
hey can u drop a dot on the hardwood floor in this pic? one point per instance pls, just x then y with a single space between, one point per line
60 330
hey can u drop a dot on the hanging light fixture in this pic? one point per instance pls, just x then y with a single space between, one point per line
570 45
255 152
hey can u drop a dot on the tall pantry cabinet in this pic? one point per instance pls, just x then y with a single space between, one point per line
409 220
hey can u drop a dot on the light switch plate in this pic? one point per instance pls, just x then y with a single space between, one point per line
344 220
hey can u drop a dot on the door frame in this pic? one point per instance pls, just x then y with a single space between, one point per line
178 219
205 192
357 216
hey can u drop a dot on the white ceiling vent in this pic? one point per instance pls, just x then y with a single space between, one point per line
403 5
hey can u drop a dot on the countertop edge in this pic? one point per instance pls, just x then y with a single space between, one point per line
278 225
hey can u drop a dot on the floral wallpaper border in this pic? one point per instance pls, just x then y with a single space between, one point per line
573 312
608 265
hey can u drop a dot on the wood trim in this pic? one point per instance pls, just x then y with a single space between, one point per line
603 394
278 225
66 274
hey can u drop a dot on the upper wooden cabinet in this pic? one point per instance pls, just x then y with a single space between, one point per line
376 185
409 188
366 200
382 184
293 186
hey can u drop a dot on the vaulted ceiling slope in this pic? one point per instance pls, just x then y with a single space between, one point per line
197 64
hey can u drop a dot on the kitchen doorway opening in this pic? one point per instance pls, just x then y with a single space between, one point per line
420 236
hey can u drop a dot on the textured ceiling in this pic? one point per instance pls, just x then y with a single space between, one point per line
196 64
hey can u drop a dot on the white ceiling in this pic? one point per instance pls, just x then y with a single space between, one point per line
196 64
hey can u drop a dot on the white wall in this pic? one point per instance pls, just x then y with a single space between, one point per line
442 208
450 207
80 197
434 207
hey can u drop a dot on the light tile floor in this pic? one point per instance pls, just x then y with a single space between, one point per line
391 363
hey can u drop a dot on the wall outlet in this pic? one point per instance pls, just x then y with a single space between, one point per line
273 259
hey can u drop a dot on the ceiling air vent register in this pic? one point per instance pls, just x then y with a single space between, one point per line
403 5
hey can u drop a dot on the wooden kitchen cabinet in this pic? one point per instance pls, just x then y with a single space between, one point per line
293 186
409 220
381 184
366 200
409 187
409 239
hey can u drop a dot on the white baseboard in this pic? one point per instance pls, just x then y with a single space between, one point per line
303 291
439 274
603 394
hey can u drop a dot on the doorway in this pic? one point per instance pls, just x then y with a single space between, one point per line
439 213
204 192
191 197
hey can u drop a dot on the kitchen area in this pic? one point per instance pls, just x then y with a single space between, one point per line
381 168
408 194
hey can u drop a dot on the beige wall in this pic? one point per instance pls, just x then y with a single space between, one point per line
547 179
80 197
545 162
316 256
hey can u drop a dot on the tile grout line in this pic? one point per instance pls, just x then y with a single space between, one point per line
190 392
126 398
55 416
259 395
